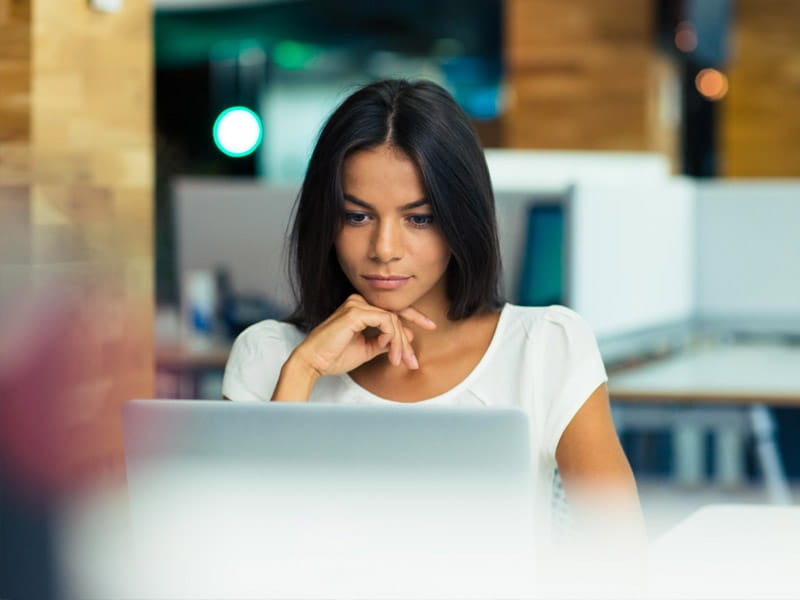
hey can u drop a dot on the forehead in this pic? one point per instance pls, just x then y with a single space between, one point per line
380 173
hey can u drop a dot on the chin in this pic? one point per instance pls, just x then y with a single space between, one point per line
387 301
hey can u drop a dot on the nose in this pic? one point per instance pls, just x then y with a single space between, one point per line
387 242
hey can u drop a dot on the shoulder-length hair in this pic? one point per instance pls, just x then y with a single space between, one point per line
422 120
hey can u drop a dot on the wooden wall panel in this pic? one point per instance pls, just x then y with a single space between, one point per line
581 75
760 120
76 179
15 185
15 80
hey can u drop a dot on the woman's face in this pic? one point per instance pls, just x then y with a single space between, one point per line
389 246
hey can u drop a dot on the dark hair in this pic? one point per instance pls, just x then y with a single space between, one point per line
422 120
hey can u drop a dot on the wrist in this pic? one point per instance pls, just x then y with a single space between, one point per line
296 380
297 366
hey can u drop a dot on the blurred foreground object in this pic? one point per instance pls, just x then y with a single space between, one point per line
729 551
59 424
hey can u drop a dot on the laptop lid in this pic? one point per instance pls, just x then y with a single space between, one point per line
318 498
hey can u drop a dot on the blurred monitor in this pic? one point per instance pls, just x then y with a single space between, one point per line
543 264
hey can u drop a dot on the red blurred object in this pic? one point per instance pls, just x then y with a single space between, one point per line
55 396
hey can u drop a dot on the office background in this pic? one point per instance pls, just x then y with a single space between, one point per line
106 120
532 75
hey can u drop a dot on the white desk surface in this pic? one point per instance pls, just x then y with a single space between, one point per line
737 373
729 551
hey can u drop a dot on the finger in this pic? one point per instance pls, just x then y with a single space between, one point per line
413 315
412 356
409 357
378 345
352 303
384 338
404 351
367 319
391 330
386 324
398 343
355 299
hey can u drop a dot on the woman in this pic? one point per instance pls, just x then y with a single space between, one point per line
396 269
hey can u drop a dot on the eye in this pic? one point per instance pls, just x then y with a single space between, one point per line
353 218
421 221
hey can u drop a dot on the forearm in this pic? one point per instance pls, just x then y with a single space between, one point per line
295 382
606 508
597 477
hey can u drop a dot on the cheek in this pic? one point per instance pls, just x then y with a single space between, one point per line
346 249
440 252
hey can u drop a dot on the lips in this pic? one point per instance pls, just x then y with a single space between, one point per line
386 282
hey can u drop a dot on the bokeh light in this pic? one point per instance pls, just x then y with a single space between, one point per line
238 131
685 37
712 84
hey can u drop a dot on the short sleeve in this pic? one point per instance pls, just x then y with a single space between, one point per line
255 362
572 370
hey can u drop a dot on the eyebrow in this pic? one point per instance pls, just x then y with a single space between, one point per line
409 206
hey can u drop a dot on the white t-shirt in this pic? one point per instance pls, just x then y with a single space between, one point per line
543 360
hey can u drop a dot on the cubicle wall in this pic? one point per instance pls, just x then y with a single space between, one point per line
629 240
239 225
644 250
748 254
525 171
632 254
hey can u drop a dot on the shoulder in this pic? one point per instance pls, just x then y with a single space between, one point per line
267 336
555 333
272 328
549 318
565 318
256 359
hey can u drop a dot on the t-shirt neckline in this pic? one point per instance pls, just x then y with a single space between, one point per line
490 350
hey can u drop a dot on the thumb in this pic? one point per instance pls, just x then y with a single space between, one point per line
378 345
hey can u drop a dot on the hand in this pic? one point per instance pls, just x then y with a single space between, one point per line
343 341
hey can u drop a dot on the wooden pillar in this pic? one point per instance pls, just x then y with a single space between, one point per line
15 125
760 120
76 200
585 75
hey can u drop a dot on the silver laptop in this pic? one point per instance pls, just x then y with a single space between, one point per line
320 500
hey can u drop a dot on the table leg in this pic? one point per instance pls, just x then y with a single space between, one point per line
769 456
689 453
729 455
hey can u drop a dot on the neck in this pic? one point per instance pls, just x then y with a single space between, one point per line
447 336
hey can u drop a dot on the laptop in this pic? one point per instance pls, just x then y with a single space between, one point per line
319 500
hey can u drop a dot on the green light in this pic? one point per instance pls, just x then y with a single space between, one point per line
293 55
238 131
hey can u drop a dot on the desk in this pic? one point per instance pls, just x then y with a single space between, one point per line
729 551
188 362
727 386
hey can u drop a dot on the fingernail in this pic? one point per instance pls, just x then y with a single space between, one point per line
414 361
